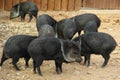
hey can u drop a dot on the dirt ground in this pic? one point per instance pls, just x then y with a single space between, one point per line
73 71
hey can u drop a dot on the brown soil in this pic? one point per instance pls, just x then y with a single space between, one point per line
73 71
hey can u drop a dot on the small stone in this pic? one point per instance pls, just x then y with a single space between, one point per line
118 77
110 29
90 67
89 72
77 72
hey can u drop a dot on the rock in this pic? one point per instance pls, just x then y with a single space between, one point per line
106 20
110 29
77 72
89 73
90 67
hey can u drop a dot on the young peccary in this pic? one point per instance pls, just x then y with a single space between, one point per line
45 19
82 20
46 31
15 48
22 9
96 43
50 48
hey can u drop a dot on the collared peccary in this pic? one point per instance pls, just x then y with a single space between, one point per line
91 26
45 19
50 48
46 31
15 48
66 28
82 20
22 9
96 43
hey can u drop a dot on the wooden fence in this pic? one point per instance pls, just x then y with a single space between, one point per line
102 4
67 5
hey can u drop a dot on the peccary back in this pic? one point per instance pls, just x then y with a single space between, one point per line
46 31
45 19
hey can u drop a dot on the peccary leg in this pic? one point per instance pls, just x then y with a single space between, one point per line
106 57
85 59
38 64
34 66
35 14
58 65
23 17
39 71
88 58
26 60
3 59
14 62
30 15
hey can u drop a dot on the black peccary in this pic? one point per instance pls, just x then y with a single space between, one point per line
96 43
15 48
66 29
46 31
91 26
50 48
22 9
45 19
82 20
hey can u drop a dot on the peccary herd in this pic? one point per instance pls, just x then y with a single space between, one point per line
55 39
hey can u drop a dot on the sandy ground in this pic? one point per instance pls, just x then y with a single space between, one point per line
110 24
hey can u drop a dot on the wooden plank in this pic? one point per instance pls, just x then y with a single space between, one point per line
107 2
71 5
8 4
23 0
15 2
102 6
38 3
57 5
87 3
78 4
119 4
92 4
112 4
31 0
96 4
64 4
99 4
1 4
84 3
50 4
44 5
